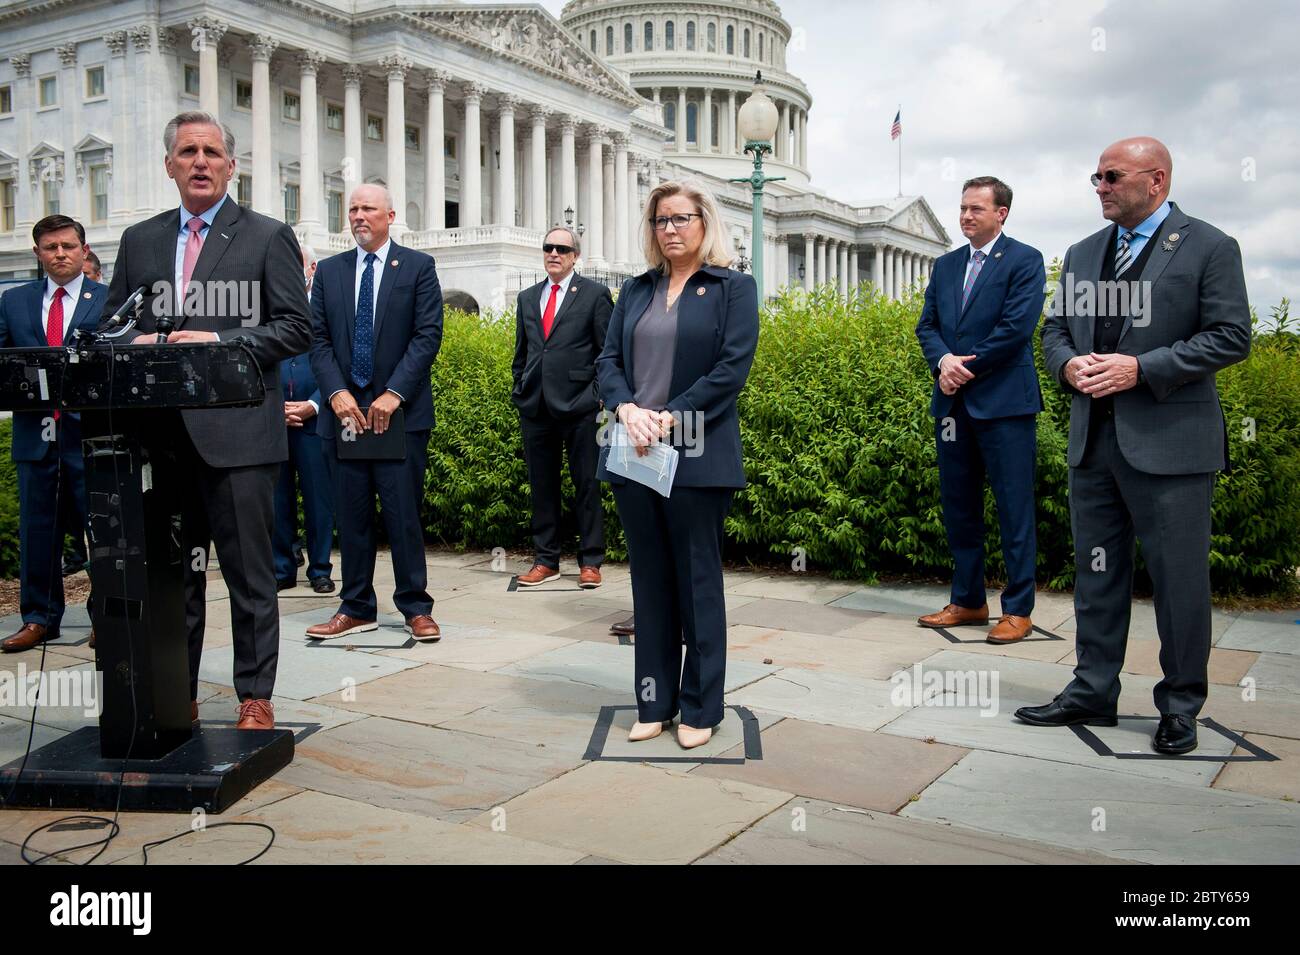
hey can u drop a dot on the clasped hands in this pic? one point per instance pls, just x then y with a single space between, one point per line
348 412
953 373
1099 375
644 426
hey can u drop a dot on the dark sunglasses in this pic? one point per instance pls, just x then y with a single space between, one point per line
1113 176
550 247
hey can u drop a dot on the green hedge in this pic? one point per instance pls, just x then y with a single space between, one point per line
839 449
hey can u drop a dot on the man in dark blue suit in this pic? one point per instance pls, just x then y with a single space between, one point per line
377 318
976 329
306 470
47 444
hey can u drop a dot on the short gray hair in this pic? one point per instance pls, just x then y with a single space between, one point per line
197 117
388 193
308 254
573 237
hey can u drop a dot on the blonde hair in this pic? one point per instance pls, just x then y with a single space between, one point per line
715 249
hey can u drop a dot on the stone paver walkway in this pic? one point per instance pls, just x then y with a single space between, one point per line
476 748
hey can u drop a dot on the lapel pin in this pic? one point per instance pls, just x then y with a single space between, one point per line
1173 237
394 263
997 255
86 296
700 290
224 236
1167 246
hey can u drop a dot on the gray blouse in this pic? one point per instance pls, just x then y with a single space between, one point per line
654 343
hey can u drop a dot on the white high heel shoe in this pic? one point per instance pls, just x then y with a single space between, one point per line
641 732
690 737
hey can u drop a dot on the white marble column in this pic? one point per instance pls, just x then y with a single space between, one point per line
568 169
505 201
537 156
803 138
595 251
396 66
887 256
27 184
635 207
207 33
704 127
310 185
843 270
353 122
471 141
265 178
809 262
435 163
152 187
900 278
878 266
119 196
732 136
680 145
69 93
853 267
822 277
782 144
609 199
622 209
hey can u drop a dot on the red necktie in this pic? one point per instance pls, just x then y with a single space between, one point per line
548 317
54 325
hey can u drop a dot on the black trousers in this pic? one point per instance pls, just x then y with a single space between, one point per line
675 548
1111 503
400 487
233 508
546 438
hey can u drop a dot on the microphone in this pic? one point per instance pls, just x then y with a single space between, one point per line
132 302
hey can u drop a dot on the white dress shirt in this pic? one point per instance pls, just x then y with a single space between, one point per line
970 262
564 284
377 269
73 290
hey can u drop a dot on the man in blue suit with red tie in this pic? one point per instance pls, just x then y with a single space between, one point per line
47 444
981 308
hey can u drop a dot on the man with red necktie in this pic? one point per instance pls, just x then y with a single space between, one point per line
47 444
559 330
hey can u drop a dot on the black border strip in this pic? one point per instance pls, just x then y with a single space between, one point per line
1258 754
600 735
1049 636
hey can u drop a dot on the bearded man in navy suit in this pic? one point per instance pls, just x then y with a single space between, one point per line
981 308
47 444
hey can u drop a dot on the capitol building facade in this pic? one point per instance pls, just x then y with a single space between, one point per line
488 123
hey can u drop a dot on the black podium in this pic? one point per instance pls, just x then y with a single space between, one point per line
145 745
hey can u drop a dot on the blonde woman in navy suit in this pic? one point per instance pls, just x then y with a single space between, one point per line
680 344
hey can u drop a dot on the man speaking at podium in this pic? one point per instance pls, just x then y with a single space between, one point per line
226 459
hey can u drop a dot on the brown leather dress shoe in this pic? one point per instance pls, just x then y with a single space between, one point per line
423 628
954 616
540 574
589 578
1010 628
27 636
91 643
624 628
340 625
256 715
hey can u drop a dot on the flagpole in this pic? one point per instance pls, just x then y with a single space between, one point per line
900 150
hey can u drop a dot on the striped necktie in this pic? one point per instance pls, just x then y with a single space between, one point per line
977 263
1123 254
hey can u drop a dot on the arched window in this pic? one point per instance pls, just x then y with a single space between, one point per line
711 35
649 35
593 42
609 41
713 126
690 35
692 122
744 48
731 41
669 36
670 115
627 38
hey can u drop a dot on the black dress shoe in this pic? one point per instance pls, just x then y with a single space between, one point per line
285 585
1175 735
1058 714
624 628
73 565
322 585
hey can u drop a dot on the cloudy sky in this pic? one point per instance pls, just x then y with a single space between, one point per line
1033 90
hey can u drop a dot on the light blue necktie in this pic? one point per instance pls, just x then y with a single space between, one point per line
363 335
976 264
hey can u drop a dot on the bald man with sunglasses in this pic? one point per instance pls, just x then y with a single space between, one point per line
559 330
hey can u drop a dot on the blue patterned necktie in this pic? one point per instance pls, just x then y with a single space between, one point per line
363 335
976 264
1123 254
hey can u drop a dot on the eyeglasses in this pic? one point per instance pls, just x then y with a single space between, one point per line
550 248
679 221
1113 176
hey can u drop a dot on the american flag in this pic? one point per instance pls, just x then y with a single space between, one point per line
897 129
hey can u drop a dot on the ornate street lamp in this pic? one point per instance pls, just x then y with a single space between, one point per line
742 263
568 215
757 122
